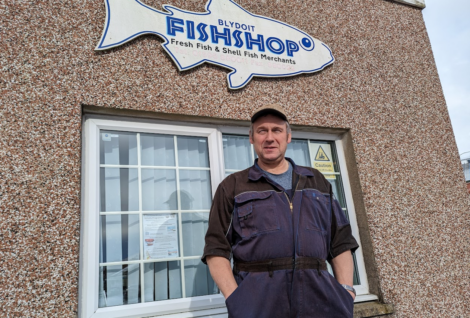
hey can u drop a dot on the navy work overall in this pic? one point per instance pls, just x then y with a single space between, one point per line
279 245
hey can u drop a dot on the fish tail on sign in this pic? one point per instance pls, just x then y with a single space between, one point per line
128 19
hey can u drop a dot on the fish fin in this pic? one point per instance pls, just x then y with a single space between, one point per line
170 8
238 79
181 57
211 3
222 5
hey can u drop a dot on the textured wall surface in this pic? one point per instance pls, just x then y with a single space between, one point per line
384 86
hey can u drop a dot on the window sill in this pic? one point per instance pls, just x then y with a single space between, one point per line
372 309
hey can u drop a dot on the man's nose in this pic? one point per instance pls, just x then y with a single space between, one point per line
270 136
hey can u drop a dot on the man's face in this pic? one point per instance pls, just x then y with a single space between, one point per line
270 138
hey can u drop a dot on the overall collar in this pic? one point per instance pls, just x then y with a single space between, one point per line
256 173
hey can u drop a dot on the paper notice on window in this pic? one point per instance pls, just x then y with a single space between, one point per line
160 236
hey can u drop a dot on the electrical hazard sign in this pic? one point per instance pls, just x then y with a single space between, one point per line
323 159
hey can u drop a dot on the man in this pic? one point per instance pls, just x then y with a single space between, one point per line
280 223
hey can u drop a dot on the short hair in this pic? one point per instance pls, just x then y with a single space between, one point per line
288 129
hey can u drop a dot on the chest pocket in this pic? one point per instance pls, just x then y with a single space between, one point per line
316 211
256 213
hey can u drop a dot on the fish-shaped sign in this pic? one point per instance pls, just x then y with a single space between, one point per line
226 35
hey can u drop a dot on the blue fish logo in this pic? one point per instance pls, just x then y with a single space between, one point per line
226 35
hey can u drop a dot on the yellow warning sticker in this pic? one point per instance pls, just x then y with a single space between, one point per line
321 155
324 167
322 160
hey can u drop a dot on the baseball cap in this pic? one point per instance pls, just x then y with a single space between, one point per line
274 109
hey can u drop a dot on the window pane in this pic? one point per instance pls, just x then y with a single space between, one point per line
119 285
334 185
157 150
194 229
119 189
356 279
297 150
162 280
159 189
337 183
237 152
198 281
192 152
118 148
195 189
119 239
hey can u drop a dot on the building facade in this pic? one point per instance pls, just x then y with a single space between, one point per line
110 159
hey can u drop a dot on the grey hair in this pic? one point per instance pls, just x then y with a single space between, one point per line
288 129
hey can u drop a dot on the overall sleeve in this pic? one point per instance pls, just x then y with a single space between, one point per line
342 239
217 240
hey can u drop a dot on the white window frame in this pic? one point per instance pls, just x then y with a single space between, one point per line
210 305
89 254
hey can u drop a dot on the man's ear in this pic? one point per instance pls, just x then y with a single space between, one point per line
289 138
251 136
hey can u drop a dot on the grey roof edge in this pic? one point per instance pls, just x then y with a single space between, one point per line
415 3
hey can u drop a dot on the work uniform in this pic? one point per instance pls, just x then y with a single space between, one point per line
279 241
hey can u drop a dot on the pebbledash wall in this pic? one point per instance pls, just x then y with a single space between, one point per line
382 95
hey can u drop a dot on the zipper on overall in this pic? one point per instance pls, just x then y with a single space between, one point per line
291 206
293 195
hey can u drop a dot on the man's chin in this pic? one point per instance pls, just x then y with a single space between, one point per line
271 158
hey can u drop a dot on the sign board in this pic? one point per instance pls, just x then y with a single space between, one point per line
226 35
323 160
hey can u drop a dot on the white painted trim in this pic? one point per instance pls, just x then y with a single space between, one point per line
295 134
153 167
415 3
220 147
363 288
211 303
157 127
89 271
315 136
141 222
155 260
216 156
153 212
363 298
211 313
234 130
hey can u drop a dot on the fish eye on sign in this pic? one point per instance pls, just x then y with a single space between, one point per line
225 34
